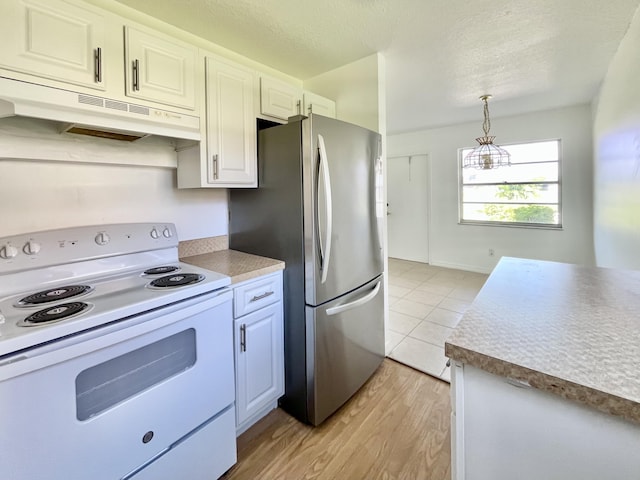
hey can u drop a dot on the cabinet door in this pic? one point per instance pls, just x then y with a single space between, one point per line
259 360
53 39
279 99
316 104
160 69
231 124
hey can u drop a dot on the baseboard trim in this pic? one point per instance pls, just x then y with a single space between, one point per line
458 266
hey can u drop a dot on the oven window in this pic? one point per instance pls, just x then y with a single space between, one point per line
107 384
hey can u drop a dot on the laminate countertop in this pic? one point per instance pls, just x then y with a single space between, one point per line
239 266
566 329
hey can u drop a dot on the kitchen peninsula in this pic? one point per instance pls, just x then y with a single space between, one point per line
545 379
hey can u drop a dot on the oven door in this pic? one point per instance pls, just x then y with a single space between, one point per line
100 404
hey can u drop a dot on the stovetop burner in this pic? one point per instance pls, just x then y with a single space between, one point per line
54 313
181 280
161 270
53 295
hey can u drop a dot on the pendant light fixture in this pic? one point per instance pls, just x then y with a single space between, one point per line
486 155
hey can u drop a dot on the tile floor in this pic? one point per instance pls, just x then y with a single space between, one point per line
425 304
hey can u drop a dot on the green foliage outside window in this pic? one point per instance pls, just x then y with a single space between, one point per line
523 213
526 193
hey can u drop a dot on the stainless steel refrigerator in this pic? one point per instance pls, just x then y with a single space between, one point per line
318 207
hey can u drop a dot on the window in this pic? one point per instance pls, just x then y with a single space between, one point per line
527 193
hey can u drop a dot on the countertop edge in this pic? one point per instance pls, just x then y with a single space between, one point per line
239 266
602 401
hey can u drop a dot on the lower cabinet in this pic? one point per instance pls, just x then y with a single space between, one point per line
258 350
504 429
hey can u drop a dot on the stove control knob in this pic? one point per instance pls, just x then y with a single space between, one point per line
31 248
102 238
154 233
167 233
8 251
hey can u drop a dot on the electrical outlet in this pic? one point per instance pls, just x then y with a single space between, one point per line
491 252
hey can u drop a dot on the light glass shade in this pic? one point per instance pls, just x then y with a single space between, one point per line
486 155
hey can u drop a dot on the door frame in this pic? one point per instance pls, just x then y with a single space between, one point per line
429 196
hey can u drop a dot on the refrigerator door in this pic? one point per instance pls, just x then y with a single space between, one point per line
345 345
341 170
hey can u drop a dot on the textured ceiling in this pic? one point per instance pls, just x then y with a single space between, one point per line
441 55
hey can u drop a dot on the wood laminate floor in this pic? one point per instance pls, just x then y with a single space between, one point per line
396 427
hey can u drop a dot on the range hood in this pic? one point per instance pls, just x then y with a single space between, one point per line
92 114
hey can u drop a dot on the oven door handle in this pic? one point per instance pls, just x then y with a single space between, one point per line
83 343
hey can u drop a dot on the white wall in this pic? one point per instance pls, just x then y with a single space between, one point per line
617 158
39 195
466 246
358 90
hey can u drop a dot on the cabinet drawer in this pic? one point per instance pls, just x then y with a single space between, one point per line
256 294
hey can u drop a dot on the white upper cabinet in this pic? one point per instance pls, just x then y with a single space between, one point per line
55 39
160 69
60 43
228 157
317 104
279 99
231 124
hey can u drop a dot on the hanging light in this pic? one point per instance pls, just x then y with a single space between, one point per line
486 155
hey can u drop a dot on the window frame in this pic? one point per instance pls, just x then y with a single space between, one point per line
499 223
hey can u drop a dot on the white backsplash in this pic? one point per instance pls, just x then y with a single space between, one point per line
48 193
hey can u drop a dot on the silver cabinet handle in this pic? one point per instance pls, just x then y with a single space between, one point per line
243 337
517 383
215 166
356 303
324 169
97 65
260 297
136 75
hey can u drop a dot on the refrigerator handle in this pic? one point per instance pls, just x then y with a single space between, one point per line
356 303
324 168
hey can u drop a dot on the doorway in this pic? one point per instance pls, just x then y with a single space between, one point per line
408 207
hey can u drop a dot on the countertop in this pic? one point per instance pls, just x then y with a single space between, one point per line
566 329
239 266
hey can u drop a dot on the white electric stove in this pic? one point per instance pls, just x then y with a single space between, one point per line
131 348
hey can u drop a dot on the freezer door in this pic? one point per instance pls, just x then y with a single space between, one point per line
342 174
345 345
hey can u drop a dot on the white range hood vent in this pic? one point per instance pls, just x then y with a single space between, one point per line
92 114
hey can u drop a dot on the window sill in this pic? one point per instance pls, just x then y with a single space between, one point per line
533 226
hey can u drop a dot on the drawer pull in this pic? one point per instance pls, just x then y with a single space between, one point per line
260 297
